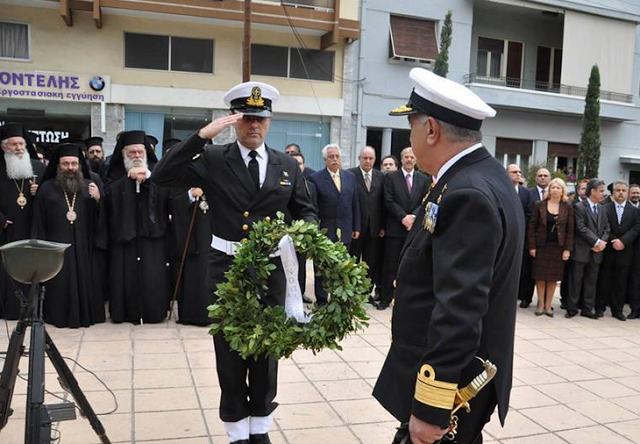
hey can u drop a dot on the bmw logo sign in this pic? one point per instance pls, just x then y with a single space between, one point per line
97 83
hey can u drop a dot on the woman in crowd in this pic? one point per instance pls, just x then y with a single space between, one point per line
550 241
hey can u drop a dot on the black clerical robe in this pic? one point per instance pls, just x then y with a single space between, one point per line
193 294
70 299
18 229
139 279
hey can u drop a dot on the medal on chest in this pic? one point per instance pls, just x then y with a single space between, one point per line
22 199
431 211
71 214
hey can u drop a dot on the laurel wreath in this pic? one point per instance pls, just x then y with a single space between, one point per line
253 329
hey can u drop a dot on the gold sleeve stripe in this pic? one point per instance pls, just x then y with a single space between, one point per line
434 393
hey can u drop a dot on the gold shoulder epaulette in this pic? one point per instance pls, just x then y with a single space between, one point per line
438 394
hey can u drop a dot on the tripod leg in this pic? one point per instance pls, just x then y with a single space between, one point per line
37 429
70 383
10 371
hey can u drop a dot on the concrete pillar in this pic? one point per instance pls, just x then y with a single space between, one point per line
489 141
349 93
540 152
385 149
114 118
226 136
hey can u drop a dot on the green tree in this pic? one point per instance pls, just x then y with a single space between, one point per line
442 61
589 159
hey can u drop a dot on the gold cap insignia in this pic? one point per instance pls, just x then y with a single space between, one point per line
255 99
403 110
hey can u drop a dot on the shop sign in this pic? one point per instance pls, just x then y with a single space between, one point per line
54 85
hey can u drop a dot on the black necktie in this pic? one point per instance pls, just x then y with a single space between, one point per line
254 169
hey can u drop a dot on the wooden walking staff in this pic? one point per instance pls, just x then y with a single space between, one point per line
184 256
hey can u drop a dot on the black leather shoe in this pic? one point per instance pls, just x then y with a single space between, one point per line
242 441
589 314
599 313
259 439
382 305
620 317
634 316
525 304
373 302
570 314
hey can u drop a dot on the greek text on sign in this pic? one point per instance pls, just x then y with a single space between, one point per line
53 85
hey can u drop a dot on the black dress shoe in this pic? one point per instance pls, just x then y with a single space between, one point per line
372 301
634 315
525 304
259 439
563 306
620 317
570 314
599 313
382 305
589 314
242 441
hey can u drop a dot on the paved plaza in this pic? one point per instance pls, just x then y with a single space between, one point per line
576 381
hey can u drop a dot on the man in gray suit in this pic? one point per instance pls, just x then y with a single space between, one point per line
592 234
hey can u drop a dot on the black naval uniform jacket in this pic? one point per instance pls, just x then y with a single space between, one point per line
456 293
234 200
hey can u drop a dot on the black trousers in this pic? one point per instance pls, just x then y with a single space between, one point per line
527 284
392 249
367 248
302 272
583 280
612 285
633 287
248 386
470 425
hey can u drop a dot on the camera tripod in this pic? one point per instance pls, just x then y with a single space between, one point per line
39 416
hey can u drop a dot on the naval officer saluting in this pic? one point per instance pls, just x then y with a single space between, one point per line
458 274
244 181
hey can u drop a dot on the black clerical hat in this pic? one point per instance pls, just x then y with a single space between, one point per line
125 138
152 140
64 150
91 141
168 144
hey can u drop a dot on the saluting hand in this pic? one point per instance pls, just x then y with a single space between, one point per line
217 126
196 192
94 192
33 189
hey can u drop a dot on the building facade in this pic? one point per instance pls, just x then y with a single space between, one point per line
530 60
80 68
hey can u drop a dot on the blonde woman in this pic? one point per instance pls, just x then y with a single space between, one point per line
550 242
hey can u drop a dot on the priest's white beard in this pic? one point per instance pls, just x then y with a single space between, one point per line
134 163
18 167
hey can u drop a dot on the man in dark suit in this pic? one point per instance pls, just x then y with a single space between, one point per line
525 289
633 286
338 206
294 148
458 275
592 234
542 179
245 182
624 220
370 187
403 192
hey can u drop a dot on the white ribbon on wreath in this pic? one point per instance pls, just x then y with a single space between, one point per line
293 304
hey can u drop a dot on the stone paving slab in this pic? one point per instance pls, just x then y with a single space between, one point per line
575 381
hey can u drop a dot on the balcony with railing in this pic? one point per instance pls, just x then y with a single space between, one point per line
533 85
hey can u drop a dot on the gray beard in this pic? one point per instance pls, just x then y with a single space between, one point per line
71 183
18 167
128 163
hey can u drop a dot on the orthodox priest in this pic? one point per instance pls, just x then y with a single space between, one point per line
20 171
244 181
68 209
139 282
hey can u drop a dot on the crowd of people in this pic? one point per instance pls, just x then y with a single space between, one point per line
588 240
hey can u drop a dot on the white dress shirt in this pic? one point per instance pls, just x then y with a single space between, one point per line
262 158
454 159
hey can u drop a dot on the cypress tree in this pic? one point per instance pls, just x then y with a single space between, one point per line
589 160
442 61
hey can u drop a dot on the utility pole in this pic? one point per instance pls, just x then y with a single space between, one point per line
246 53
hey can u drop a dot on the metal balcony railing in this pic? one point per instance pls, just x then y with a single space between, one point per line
323 5
533 85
